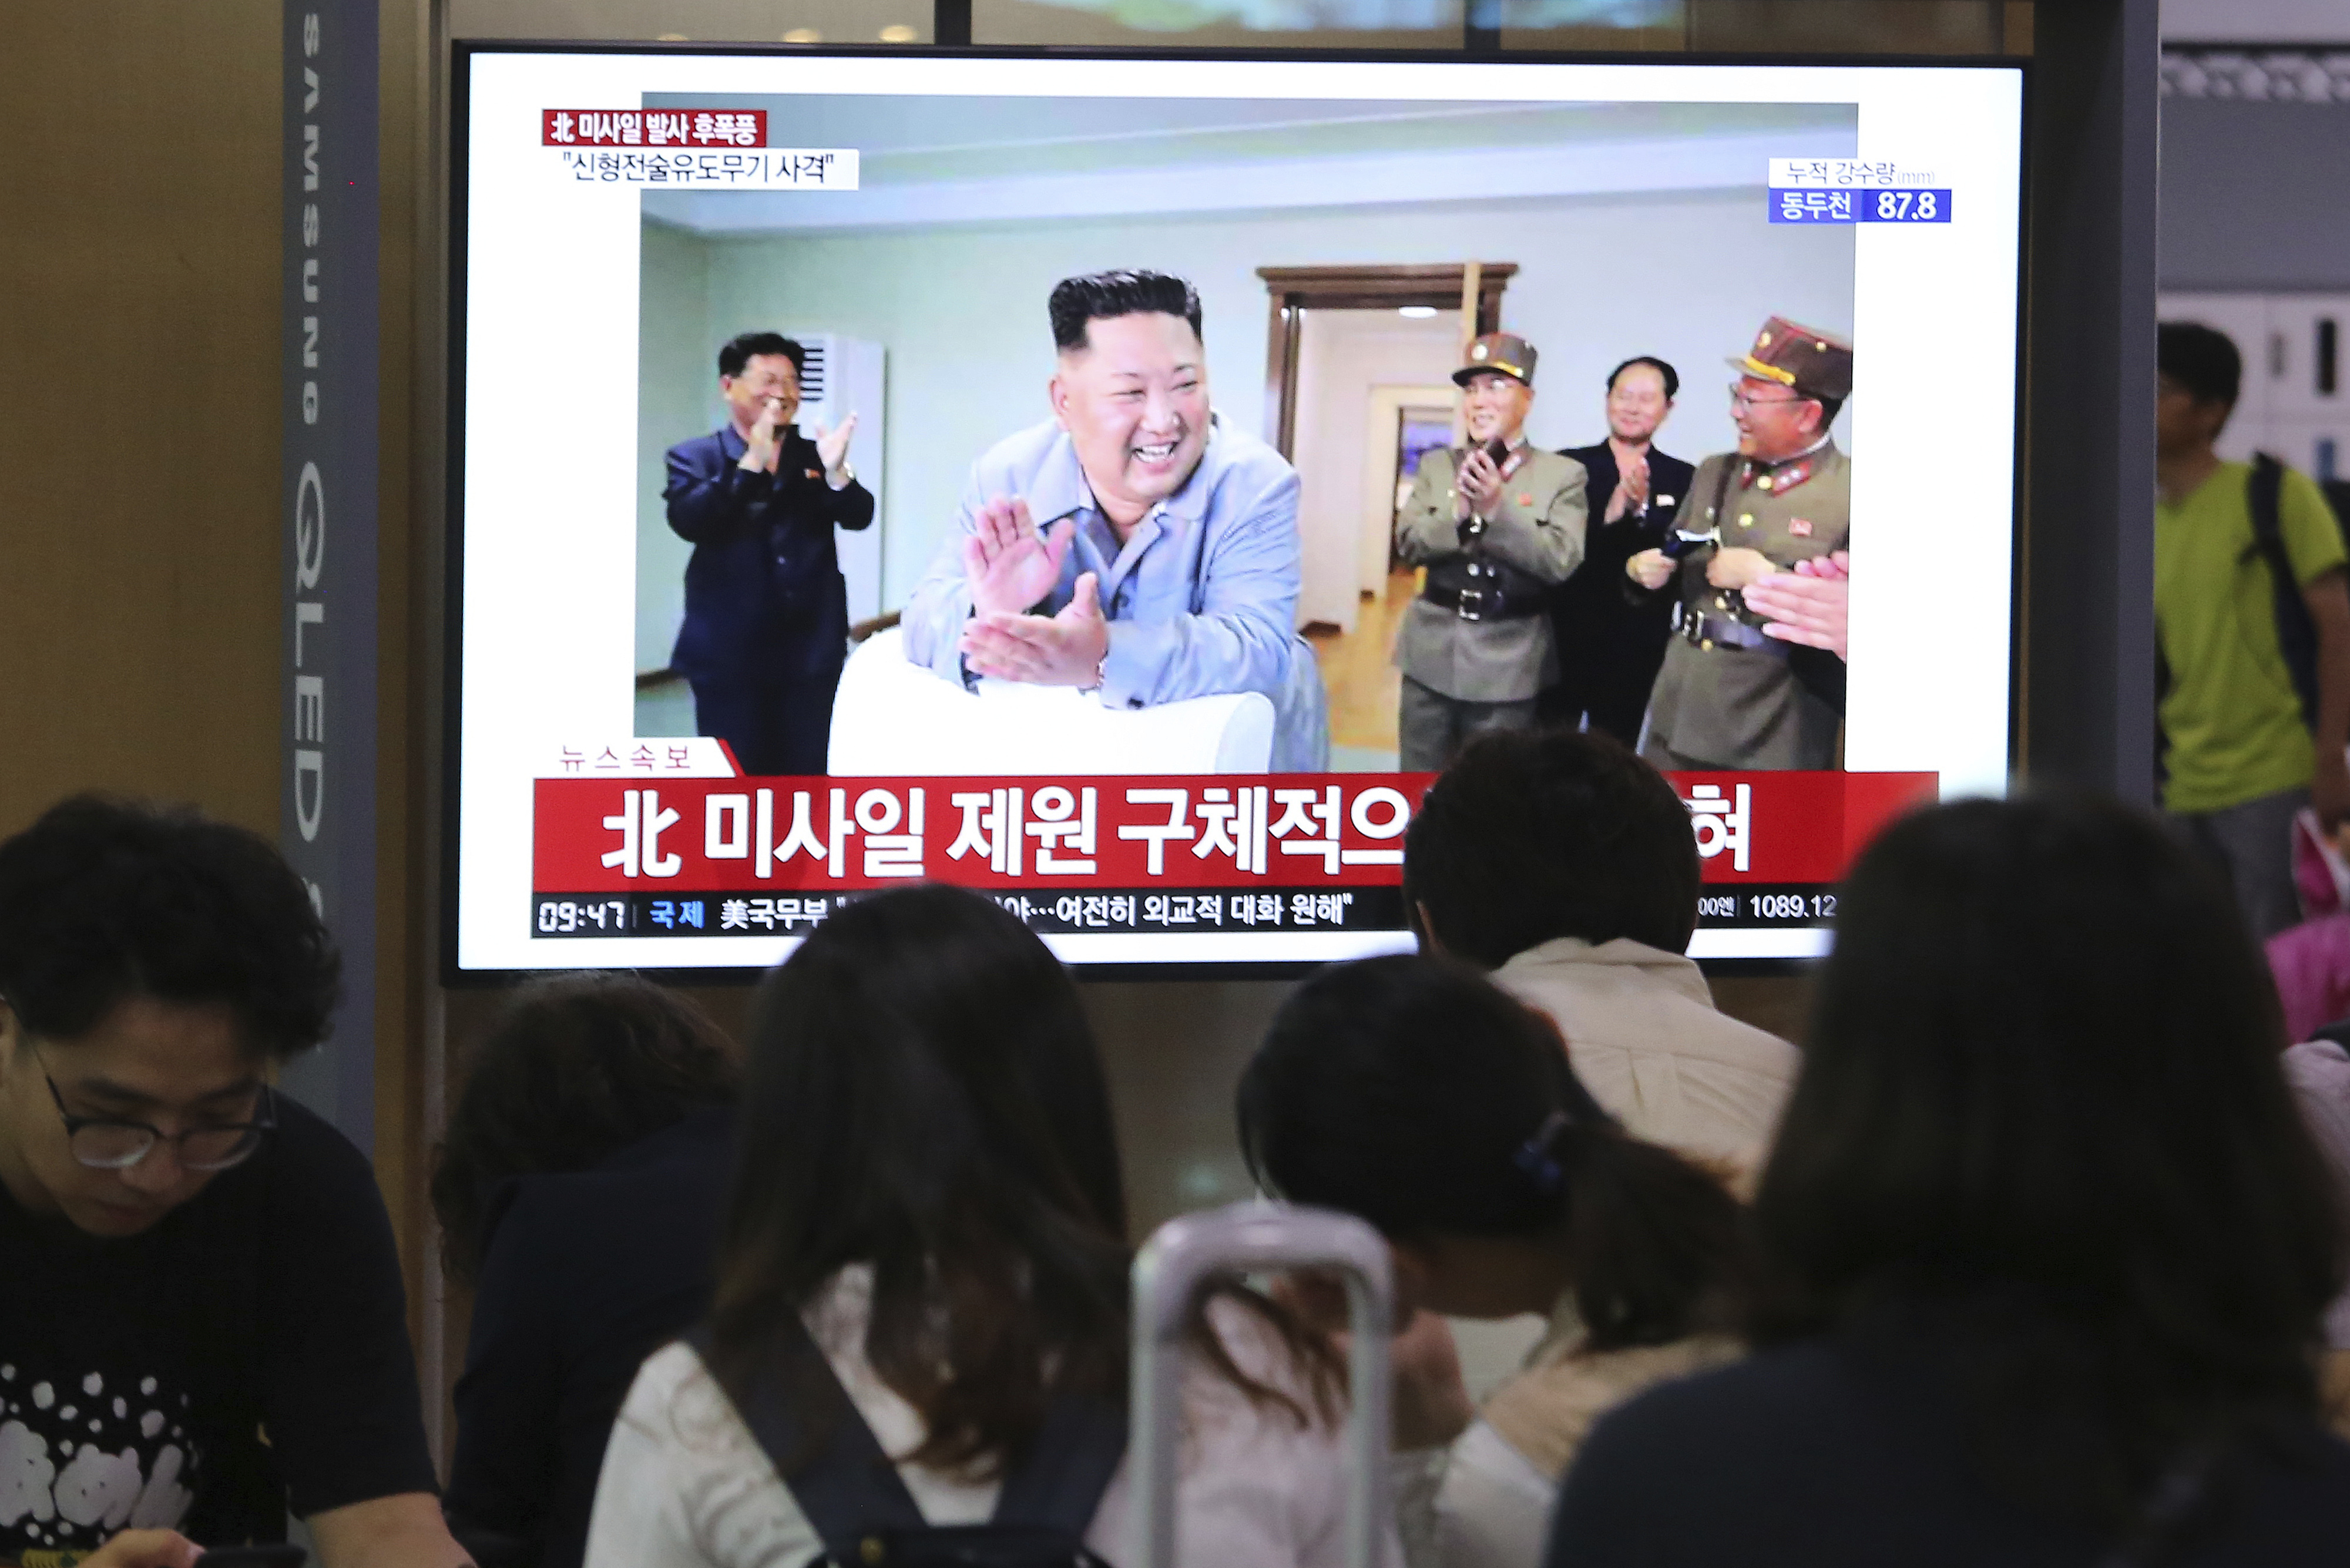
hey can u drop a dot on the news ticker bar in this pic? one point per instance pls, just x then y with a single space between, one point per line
1055 911
1046 910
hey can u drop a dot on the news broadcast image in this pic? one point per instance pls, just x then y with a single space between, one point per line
845 495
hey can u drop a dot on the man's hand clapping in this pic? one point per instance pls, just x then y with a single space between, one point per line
1811 606
832 448
1007 564
1480 484
1064 650
1632 490
763 446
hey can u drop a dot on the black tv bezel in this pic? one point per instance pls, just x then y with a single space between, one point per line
463 52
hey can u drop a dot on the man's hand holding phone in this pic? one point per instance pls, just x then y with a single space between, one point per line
1480 484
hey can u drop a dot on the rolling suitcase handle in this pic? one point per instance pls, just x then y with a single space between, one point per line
1168 1274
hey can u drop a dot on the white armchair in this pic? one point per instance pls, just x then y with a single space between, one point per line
891 717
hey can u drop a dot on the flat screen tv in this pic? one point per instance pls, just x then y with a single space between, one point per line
801 545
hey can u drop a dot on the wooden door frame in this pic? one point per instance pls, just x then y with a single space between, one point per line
1389 402
1292 290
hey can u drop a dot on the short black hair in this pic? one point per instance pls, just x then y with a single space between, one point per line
1672 377
742 347
1531 836
2203 359
102 901
1098 296
1829 407
1414 1093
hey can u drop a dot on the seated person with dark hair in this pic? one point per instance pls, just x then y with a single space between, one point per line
1567 866
204 1325
2045 1250
1414 1094
578 1192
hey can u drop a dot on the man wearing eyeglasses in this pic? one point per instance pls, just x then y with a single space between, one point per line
1729 695
1499 524
201 1322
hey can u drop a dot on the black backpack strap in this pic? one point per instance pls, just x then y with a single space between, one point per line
1059 1482
845 1484
2296 632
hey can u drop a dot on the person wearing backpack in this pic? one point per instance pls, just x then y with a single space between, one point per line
2253 628
918 1350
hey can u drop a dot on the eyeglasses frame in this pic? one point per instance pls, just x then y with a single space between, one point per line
263 1123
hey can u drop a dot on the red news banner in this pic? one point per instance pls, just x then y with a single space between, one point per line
652 127
677 856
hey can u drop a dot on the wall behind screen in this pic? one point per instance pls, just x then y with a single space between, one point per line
139 545
2255 195
1687 275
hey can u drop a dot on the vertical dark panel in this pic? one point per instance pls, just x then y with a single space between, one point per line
1481 26
951 22
2087 613
328 496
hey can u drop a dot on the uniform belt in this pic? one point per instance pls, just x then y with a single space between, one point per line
1481 604
1713 631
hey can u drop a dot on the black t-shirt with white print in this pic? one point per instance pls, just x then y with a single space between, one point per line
247 1354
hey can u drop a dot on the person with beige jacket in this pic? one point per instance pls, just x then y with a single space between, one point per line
1565 866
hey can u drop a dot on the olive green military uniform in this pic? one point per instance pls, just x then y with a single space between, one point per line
1475 648
1726 697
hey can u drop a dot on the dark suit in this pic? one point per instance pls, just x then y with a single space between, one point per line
1608 630
766 613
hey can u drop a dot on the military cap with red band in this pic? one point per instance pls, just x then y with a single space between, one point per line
1505 353
1816 363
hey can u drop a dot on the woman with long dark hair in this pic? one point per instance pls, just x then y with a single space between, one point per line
1416 1094
928 1192
2046 1246
578 1190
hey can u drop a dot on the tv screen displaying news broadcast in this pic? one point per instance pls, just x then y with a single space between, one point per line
1120 484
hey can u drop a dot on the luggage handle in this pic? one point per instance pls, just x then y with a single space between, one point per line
1170 1272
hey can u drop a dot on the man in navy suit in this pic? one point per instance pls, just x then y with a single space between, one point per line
766 612
1609 630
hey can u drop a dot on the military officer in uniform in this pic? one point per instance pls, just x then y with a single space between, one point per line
1496 523
1729 696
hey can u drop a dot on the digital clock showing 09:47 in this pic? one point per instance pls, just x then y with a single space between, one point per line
572 916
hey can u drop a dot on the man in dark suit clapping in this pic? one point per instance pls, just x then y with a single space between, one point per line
1609 632
766 611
